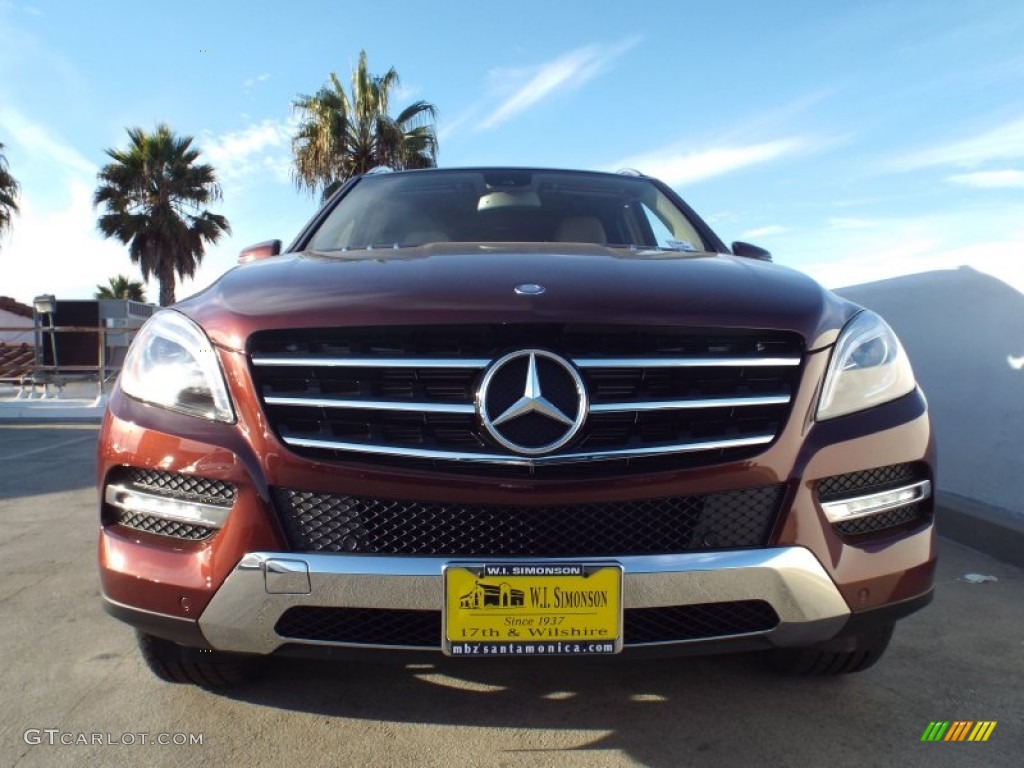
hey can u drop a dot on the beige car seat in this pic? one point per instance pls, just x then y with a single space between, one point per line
581 229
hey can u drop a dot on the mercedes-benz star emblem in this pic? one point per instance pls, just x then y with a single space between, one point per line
532 402
530 289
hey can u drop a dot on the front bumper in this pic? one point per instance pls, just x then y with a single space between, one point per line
243 614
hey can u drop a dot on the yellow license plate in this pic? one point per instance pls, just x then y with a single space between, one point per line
532 609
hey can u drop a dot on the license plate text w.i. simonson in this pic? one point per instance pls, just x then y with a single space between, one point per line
532 609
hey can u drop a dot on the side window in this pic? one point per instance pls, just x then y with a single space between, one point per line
678 235
662 234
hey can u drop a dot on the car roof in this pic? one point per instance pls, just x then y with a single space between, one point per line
627 172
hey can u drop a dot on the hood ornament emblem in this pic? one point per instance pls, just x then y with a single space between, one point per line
530 289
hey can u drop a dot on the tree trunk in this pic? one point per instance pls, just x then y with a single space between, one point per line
165 276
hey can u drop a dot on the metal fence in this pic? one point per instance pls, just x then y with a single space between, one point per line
111 344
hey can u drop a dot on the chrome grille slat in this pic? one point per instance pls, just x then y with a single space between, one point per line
623 407
395 395
666 405
584 362
375 405
524 461
685 362
368 362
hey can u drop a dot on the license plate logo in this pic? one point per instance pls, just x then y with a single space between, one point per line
532 609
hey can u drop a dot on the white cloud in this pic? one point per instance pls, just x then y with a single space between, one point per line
773 229
238 154
58 250
850 222
989 179
1004 142
8 5
923 254
447 128
987 239
37 141
402 96
571 70
253 81
721 217
914 254
676 165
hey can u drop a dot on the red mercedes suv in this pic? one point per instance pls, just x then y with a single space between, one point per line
513 412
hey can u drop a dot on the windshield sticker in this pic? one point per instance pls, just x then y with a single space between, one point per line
680 245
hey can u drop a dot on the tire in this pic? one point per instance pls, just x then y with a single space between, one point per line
841 656
175 663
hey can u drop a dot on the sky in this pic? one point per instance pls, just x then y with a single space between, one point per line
856 141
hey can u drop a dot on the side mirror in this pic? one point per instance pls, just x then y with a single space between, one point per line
259 251
748 251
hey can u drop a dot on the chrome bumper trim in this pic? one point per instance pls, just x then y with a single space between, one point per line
873 503
242 614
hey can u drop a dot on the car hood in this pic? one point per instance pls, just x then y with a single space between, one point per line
474 283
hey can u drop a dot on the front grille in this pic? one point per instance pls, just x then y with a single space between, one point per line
882 521
422 629
404 396
177 485
325 522
692 622
870 481
161 525
364 626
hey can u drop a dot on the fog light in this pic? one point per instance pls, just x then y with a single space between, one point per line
138 502
861 506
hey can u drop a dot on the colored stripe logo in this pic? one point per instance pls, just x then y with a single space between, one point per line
958 730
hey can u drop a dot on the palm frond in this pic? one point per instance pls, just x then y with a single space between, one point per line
154 196
340 136
9 189
121 287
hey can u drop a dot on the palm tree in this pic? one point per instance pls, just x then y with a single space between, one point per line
155 195
342 135
121 287
8 194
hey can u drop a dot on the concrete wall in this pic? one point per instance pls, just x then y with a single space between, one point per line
964 331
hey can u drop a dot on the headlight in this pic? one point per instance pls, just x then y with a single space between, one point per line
868 367
172 364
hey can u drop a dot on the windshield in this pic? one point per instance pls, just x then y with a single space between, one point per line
501 206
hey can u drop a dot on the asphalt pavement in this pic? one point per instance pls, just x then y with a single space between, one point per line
71 674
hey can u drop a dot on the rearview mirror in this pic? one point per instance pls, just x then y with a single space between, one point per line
748 251
508 199
259 251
